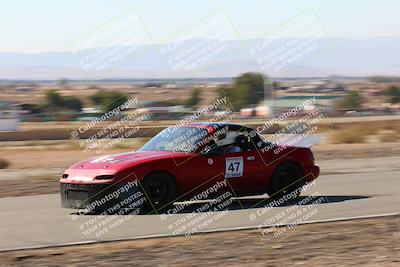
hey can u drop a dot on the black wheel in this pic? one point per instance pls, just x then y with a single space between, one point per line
160 191
287 179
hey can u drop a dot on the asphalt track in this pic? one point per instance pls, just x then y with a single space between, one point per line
349 189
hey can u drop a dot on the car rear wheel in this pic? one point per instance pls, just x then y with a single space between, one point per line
160 191
287 180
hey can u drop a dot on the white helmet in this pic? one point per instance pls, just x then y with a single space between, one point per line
227 139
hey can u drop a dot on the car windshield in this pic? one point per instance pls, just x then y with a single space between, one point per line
182 139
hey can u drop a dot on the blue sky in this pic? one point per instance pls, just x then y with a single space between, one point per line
44 25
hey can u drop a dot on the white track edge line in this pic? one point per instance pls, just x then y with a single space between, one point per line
88 242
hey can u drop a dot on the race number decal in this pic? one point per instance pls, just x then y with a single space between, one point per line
233 167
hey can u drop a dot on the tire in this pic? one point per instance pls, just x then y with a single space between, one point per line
287 179
160 191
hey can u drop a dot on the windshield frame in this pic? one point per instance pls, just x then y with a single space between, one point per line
196 145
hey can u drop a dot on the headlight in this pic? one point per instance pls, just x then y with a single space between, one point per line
104 177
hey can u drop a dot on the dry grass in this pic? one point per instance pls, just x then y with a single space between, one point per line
390 137
368 129
134 143
358 133
32 186
350 135
393 127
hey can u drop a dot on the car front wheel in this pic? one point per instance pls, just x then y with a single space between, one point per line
287 180
159 190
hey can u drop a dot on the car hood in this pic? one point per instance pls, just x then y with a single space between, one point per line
86 170
117 162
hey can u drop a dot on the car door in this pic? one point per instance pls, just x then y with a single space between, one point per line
209 172
243 170
240 170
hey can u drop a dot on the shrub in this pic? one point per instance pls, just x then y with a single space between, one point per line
4 164
55 101
194 98
353 100
393 94
109 100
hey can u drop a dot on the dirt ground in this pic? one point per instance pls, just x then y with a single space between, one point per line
37 171
363 242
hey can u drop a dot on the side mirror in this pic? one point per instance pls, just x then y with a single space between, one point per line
212 151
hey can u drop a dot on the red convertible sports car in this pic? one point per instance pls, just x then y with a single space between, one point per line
181 162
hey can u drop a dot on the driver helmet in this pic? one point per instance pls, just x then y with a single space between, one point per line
229 139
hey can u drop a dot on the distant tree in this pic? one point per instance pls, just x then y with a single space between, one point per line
109 100
384 79
194 98
247 89
55 101
92 87
222 92
393 94
352 100
63 83
97 98
32 108
172 102
72 102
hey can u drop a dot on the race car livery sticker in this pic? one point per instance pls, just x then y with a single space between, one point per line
111 158
100 159
233 167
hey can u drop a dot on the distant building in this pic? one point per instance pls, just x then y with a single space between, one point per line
274 107
322 86
247 112
325 103
24 89
160 109
9 116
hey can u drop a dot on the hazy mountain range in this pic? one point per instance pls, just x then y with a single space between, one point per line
346 57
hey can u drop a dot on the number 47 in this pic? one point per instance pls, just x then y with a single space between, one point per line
232 166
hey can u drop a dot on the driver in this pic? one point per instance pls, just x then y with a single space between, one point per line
227 142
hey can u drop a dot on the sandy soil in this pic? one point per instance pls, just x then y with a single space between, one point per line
366 242
351 151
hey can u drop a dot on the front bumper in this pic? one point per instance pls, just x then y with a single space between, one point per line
311 173
98 197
